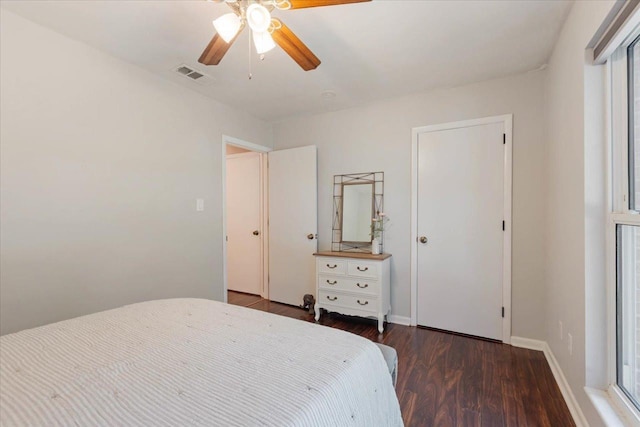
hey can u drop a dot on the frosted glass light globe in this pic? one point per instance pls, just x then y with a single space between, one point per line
263 41
227 26
258 18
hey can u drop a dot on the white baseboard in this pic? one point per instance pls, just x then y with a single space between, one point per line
569 397
528 343
561 380
400 320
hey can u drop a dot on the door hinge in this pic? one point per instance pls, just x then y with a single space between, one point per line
504 138
502 311
502 225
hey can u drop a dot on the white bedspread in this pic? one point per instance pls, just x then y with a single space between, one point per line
192 362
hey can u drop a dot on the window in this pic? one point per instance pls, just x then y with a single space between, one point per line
628 314
625 216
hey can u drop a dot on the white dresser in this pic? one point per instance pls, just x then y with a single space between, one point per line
355 284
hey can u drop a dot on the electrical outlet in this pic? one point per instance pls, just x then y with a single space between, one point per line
570 344
560 327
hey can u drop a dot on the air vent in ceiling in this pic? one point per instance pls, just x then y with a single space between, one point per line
194 75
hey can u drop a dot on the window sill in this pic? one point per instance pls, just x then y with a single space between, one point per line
612 407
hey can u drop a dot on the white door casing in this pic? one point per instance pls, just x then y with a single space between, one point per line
293 224
244 222
461 278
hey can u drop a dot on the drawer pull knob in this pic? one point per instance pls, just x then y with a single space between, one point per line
332 266
363 269
363 303
333 299
332 283
366 285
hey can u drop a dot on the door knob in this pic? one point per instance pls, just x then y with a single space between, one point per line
423 239
256 233
310 236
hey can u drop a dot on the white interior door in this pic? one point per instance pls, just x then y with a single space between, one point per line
244 244
293 223
461 213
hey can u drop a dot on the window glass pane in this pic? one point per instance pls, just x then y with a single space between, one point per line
633 58
628 310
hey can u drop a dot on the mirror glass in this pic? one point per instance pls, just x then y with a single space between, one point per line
356 199
357 212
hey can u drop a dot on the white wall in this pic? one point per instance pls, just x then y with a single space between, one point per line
101 163
377 137
575 208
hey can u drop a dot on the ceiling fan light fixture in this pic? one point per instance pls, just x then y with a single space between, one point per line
263 41
227 26
258 18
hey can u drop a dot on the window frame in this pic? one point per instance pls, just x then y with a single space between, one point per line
630 128
619 162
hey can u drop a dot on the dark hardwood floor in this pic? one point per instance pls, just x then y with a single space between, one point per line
450 380
239 298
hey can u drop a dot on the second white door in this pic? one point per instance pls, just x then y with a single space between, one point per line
244 214
293 224
460 229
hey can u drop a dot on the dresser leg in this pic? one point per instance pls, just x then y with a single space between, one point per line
380 322
317 309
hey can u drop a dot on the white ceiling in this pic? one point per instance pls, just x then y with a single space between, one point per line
369 51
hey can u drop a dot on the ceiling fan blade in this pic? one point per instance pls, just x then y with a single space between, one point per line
294 47
299 4
216 49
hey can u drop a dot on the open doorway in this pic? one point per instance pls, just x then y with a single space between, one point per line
288 229
245 224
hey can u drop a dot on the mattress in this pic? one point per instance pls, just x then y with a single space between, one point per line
185 362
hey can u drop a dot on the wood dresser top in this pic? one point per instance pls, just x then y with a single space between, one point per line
360 255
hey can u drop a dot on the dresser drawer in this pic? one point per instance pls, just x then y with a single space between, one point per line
332 266
337 299
363 286
362 269
355 284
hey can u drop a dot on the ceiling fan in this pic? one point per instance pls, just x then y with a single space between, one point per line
266 31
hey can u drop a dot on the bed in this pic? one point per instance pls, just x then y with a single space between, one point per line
184 362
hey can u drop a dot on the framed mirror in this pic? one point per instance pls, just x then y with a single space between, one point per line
357 211
357 199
